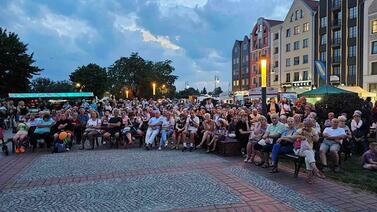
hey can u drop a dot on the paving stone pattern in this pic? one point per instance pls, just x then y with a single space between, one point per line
140 193
279 192
108 161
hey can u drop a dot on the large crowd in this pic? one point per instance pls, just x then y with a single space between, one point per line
287 128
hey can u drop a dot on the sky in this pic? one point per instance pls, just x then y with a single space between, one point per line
197 35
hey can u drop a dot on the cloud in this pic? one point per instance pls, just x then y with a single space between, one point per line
128 23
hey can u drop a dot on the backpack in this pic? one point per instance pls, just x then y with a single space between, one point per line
59 146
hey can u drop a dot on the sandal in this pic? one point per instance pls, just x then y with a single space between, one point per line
319 174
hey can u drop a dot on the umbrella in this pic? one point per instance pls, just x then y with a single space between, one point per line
325 90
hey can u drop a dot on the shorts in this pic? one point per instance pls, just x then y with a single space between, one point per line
329 145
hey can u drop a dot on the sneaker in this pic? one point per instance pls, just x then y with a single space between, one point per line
191 148
246 159
67 149
22 150
147 148
184 149
207 151
159 148
18 150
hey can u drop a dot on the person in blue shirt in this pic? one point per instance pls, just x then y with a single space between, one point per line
42 131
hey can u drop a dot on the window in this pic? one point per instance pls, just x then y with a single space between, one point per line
296 45
305 75
305 43
296 15
296 76
352 51
352 32
291 17
276 50
276 64
276 78
374 26
374 47
322 56
324 22
254 81
336 70
301 14
306 27
245 46
288 62
260 27
288 77
276 36
373 87
351 70
296 61
352 13
288 47
305 59
374 68
324 39
288 34
296 30
337 34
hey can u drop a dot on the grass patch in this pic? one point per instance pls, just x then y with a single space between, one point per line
351 174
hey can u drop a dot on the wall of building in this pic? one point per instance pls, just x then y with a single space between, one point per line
370 14
276 53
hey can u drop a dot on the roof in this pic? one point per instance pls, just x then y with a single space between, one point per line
51 95
274 22
325 90
312 4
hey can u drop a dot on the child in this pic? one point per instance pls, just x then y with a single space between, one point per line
20 136
220 134
370 157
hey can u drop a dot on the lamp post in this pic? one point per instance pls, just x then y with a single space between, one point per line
263 62
79 86
126 93
154 89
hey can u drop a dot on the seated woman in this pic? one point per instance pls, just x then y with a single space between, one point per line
284 145
209 127
64 125
93 128
370 157
219 135
105 124
306 137
20 136
256 134
359 132
178 130
114 127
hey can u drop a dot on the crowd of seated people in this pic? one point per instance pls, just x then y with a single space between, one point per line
286 129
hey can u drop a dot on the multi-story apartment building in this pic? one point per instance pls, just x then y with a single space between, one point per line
260 43
240 65
370 46
340 41
236 66
276 54
298 42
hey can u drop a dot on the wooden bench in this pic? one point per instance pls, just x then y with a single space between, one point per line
229 147
298 161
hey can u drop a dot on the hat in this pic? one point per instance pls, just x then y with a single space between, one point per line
357 113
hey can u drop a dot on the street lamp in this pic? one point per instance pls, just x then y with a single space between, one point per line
126 93
263 62
154 89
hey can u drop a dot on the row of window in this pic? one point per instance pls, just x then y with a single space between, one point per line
296 45
352 14
296 60
296 30
296 76
243 82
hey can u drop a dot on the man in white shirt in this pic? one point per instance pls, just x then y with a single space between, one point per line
333 138
154 125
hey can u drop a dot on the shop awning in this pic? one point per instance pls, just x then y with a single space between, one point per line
50 95
325 90
360 91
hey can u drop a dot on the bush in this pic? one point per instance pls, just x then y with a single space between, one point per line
339 103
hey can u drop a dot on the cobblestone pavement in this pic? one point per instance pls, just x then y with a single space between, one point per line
138 180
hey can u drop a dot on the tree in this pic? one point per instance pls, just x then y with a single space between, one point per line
204 91
41 85
187 92
217 91
16 69
137 75
91 77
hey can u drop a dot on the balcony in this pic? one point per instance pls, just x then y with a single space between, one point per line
336 41
336 59
337 5
336 24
